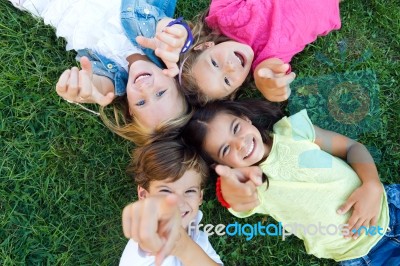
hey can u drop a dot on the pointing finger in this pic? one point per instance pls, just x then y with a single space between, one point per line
146 42
227 173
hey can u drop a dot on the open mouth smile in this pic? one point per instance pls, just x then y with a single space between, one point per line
250 150
142 76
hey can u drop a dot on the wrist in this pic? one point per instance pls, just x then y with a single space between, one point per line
181 244
220 198
373 185
189 36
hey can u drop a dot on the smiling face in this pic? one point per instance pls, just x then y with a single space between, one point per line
234 141
220 69
187 189
152 96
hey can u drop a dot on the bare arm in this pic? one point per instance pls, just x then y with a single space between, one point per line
186 250
365 201
155 223
355 153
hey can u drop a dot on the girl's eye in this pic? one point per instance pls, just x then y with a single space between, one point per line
165 191
191 191
160 93
140 103
236 128
225 150
227 81
214 63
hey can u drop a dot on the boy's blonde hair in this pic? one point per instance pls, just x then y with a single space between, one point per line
202 33
163 160
125 125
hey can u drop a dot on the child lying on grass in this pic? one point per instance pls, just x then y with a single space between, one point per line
170 179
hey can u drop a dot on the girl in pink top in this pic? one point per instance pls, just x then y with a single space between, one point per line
238 36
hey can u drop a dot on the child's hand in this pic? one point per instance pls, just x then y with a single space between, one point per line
366 203
272 81
239 186
154 223
80 85
167 45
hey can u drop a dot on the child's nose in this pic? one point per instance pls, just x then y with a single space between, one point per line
239 143
181 201
146 86
229 66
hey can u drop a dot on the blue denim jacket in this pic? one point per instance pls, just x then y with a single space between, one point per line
138 17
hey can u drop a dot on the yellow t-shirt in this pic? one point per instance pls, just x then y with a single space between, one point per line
306 187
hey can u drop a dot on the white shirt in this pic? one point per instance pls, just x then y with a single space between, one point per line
92 24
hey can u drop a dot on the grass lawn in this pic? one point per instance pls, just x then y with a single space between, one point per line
62 173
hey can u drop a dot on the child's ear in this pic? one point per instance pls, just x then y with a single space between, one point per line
204 45
232 96
212 166
201 197
142 193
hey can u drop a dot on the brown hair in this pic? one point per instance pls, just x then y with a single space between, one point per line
162 160
262 114
202 34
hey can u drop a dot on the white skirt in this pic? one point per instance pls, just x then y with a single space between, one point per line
93 24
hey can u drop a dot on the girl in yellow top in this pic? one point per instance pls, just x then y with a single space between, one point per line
309 183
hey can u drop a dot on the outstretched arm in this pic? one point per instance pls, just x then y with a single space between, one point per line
186 249
155 223
365 200
82 86
239 186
